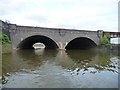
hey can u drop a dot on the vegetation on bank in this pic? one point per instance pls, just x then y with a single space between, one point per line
105 39
4 39
5 43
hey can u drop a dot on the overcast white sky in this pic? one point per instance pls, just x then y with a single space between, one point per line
73 14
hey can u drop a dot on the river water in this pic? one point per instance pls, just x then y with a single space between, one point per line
60 69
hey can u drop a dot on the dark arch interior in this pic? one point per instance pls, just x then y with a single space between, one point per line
28 42
80 43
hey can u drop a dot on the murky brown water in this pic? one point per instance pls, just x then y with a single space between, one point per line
60 69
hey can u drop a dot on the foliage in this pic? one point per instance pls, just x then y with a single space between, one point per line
105 39
4 39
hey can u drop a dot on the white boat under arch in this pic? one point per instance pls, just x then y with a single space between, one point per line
38 45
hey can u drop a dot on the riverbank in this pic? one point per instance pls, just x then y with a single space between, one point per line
7 48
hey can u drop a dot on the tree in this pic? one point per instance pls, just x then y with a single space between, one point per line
105 40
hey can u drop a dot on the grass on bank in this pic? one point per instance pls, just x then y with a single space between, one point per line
5 43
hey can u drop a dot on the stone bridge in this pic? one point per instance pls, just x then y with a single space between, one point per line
23 37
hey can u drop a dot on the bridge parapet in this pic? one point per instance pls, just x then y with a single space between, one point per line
60 31
13 26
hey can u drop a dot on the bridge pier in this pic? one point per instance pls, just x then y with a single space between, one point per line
62 45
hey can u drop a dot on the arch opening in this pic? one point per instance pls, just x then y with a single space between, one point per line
30 41
81 43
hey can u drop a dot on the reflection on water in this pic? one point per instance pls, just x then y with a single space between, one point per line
60 69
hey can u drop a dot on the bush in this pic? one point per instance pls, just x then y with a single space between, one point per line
105 40
4 39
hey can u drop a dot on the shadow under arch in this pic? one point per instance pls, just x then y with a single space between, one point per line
28 42
81 43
